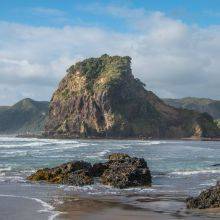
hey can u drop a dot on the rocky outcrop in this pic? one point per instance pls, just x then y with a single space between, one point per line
209 198
120 171
72 173
124 171
99 97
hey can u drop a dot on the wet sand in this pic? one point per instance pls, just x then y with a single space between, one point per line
114 214
96 209
18 208
25 202
91 209
78 208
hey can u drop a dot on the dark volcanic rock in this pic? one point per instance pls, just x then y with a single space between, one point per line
98 169
121 171
67 173
209 198
78 178
126 172
100 97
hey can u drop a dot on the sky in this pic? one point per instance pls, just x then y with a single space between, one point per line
174 45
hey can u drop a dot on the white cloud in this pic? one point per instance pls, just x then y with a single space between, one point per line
172 58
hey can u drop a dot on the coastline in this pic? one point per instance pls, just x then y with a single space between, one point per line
114 138
179 168
85 209
26 208
70 206
80 208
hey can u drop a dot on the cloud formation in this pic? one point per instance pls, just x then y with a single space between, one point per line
173 59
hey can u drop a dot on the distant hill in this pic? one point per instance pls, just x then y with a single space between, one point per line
199 104
26 116
218 122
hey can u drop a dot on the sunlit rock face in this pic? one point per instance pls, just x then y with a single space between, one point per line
100 97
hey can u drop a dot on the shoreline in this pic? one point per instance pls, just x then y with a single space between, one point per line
24 207
82 208
71 206
180 169
114 138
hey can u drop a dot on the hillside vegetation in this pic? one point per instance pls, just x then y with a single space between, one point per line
210 106
26 116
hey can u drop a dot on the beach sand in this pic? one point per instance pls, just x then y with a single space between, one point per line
97 209
18 208
81 208
91 209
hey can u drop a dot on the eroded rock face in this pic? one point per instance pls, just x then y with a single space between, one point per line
209 198
124 171
99 97
72 173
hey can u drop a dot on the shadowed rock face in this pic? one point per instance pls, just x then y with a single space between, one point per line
99 97
209 198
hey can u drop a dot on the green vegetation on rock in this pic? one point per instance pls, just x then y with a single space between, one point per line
218 122
110 69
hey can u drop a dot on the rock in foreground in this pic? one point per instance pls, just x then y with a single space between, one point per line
209 198
72 173
120 171
124 171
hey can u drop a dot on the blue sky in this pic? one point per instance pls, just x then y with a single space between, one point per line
174 45
73 12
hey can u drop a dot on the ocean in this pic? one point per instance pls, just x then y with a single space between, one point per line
179 169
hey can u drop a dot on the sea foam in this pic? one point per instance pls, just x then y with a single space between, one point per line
194 172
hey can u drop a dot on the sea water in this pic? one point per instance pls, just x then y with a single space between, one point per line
179 169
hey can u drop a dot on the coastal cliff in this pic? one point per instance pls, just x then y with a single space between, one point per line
100 97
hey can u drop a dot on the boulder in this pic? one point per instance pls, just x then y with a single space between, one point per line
120 171
126 172
78 178
61 174
209 198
